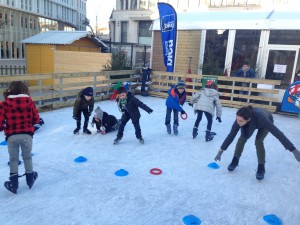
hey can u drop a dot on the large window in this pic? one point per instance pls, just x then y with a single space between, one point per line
215 52
133 4
245 49
124 28
284 37
144 32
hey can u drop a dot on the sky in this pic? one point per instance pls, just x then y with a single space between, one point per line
89 193
101 9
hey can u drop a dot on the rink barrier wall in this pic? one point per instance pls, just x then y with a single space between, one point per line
63 91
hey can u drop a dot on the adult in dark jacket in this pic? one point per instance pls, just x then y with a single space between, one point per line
105 123
84 104
249 119
129 105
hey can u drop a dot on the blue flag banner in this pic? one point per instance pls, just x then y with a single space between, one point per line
168 28
291 98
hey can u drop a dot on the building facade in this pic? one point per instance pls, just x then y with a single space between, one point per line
20 19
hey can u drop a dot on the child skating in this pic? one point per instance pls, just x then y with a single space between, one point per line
129 105
105 123
206 101
174 103
84 104
18 114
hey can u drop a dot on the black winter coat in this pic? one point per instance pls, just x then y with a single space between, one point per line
108 121
132 107
261 119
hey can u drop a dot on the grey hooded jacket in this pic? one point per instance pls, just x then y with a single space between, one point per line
207 100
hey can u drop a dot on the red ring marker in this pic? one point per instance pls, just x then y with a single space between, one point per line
156 171
184 118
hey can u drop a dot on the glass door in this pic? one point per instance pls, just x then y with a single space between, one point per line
281 65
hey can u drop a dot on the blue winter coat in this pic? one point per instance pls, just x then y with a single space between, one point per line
250 73
175 100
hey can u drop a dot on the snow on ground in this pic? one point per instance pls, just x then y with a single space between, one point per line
89 193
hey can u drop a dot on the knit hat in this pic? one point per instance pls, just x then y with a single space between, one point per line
98 113
88 91
180 84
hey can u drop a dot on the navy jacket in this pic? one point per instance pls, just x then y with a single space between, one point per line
132 107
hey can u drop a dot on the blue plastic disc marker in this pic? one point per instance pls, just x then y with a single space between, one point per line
272 219
191 220
3 143
121 173
213 165
80 159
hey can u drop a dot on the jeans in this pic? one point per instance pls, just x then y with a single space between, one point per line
168 116
125 118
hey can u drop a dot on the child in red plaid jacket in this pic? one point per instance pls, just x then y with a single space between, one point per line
18 114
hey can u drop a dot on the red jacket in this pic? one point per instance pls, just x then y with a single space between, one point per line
18 114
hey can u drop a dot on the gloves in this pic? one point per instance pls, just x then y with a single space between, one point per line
190 104
218 156
75 118
219 119
296 154
41 121
150 111
183 112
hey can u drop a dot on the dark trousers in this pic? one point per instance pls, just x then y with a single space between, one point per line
85 113
199 118
125 118
259 143
168 116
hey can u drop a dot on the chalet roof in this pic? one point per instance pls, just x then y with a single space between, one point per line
256 20
61 38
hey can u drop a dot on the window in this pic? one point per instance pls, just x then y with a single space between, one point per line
12 20
284 37
215 52
245 49
144 32
21 21
124 31
133 4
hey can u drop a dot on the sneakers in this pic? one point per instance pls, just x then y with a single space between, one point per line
168 128
76 131
234 163
117 140
260 173
141 140
86 131
195 132
208 136
175 129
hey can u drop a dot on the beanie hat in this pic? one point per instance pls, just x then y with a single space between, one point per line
180 84
88 91
98 113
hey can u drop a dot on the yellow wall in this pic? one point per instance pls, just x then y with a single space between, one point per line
188 45
66 61
39 59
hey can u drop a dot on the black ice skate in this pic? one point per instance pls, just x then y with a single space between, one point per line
168 128
195 132
260 173
234 163
141 140
117 140
76 131
13 183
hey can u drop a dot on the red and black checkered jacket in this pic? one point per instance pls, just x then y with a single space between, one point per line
18 114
